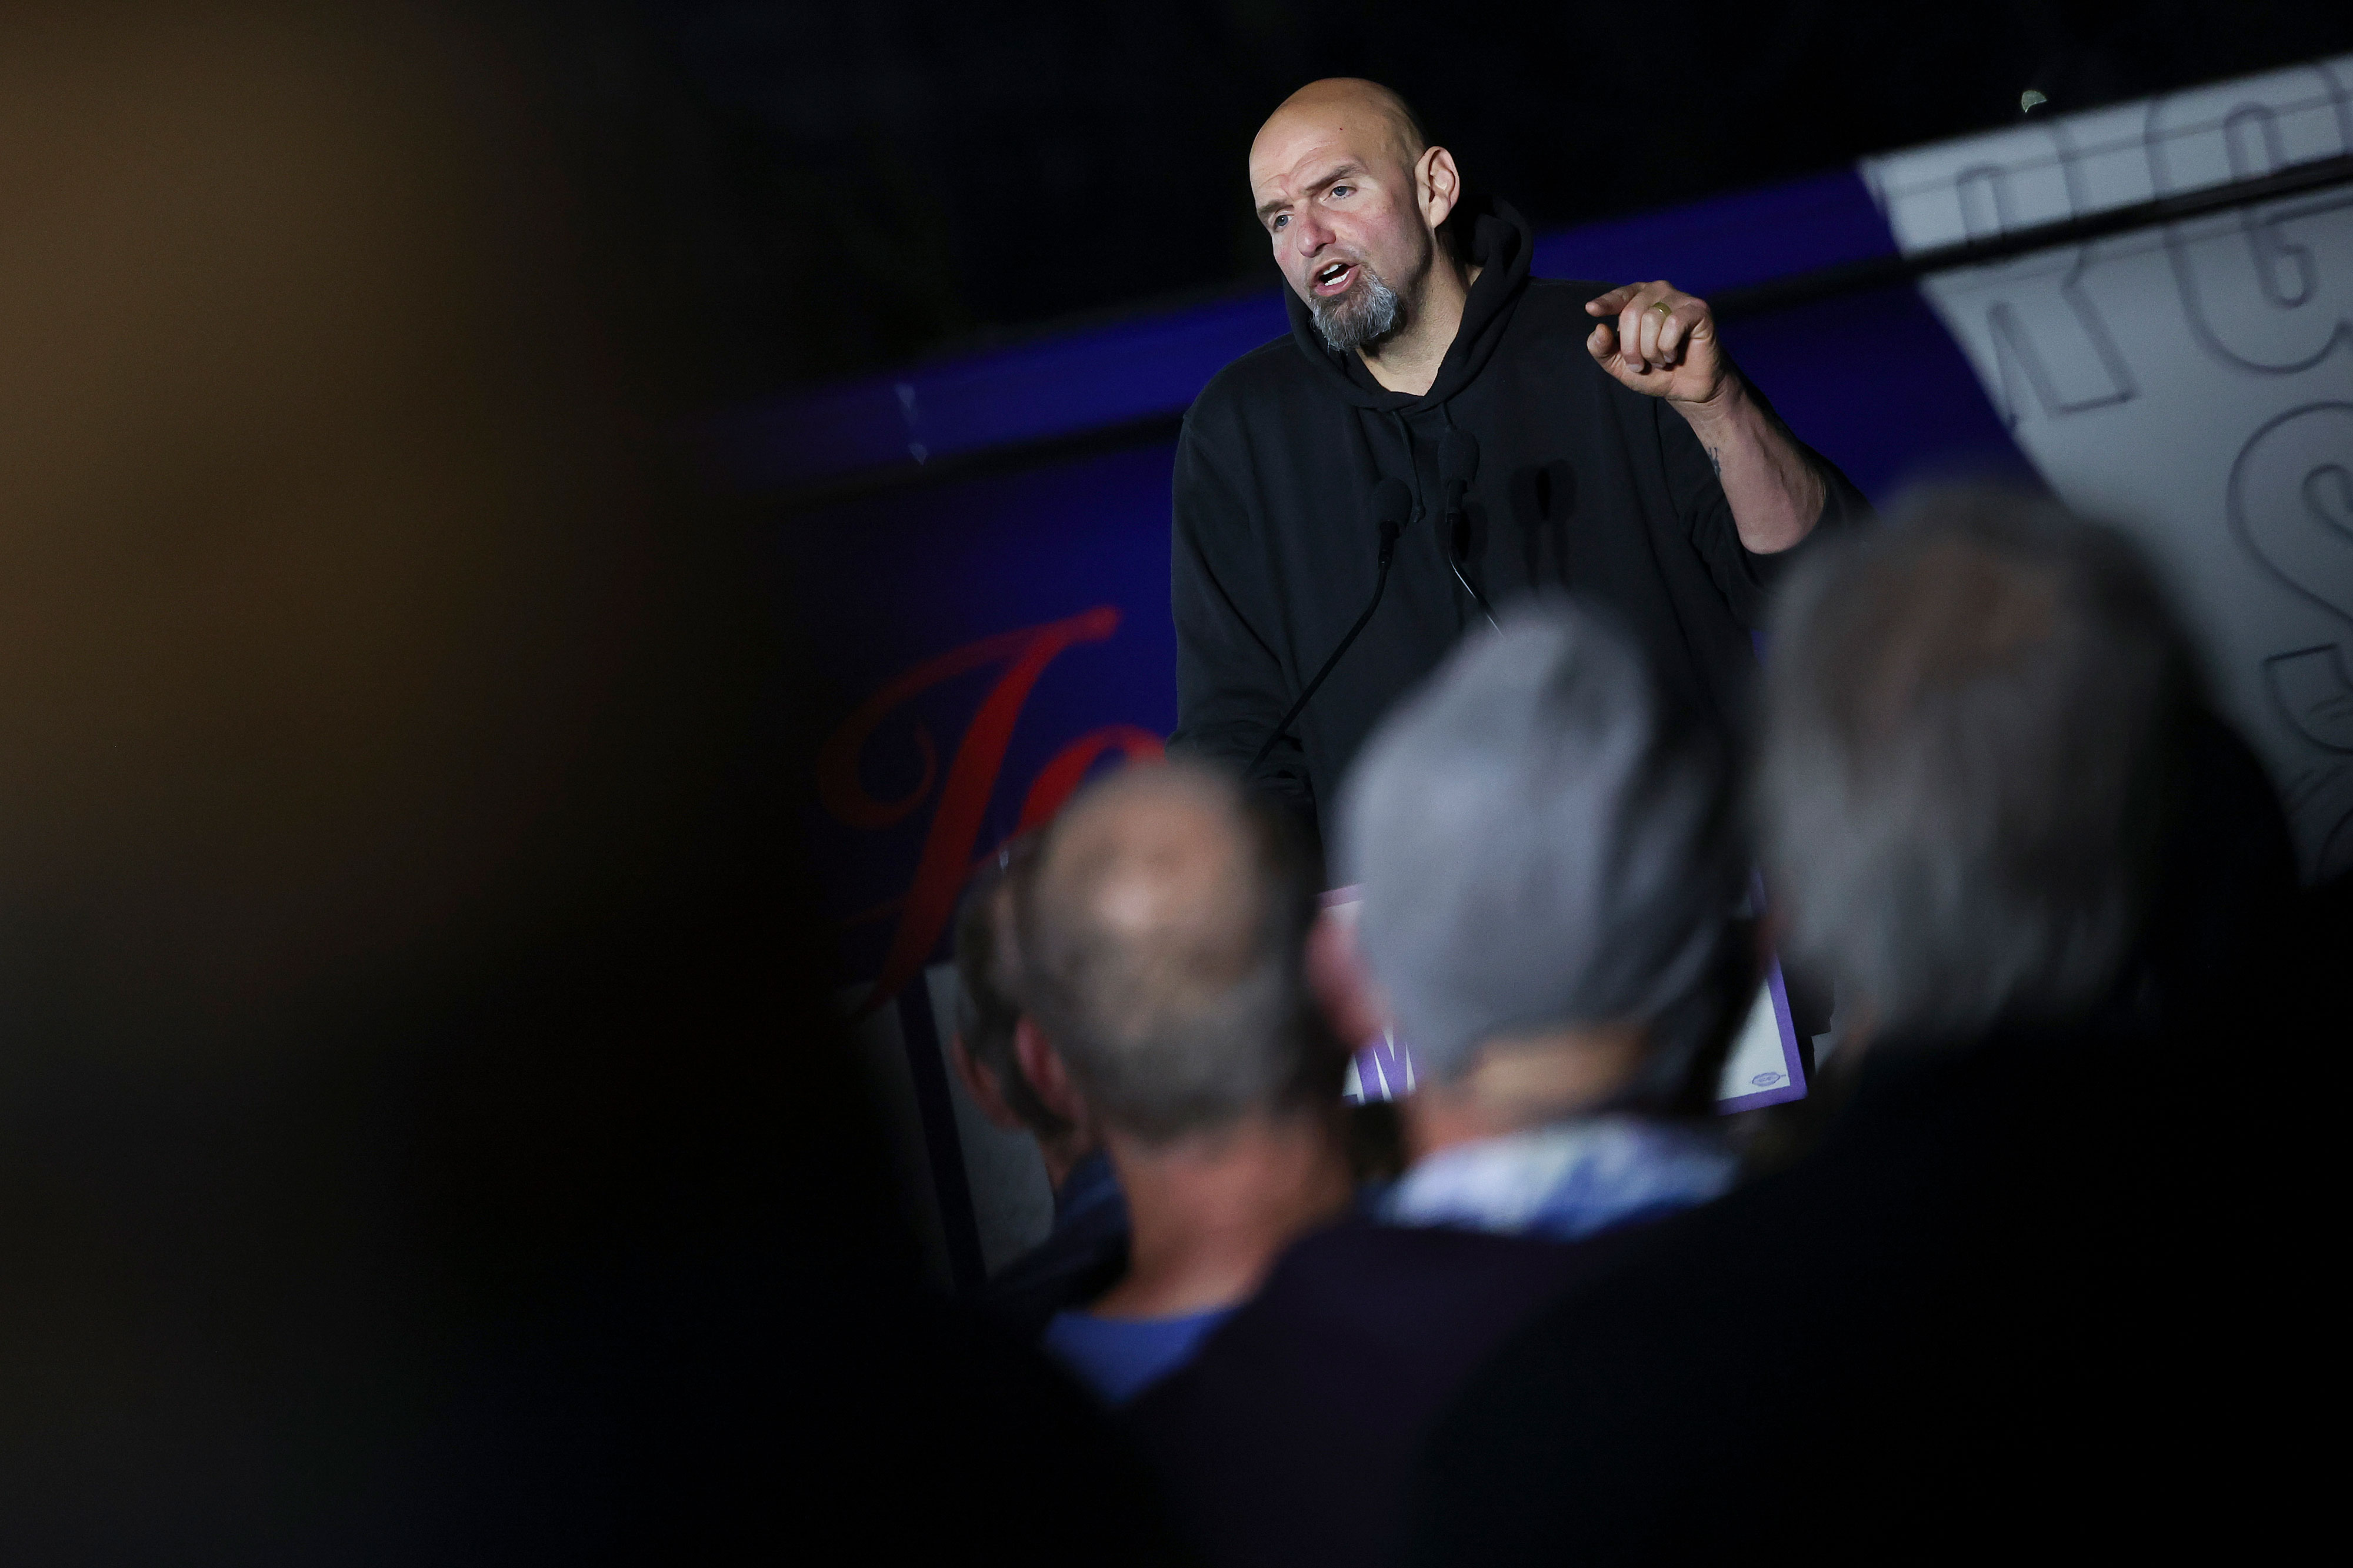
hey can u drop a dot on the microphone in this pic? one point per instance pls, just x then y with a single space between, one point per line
1458 465
1392 506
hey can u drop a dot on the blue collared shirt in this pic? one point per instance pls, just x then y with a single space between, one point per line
1565 1181
1119 1358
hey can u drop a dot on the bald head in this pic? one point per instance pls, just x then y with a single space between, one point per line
1354 200
1365 113
1163 929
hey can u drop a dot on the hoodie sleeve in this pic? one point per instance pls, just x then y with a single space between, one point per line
1230 688
1746 579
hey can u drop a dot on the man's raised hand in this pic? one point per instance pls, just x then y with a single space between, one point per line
1658 341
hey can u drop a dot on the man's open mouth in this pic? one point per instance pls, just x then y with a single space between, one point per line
1334 278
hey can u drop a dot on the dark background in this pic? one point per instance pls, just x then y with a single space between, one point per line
829 187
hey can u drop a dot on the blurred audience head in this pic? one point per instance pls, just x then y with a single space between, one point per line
1017 1078
1550 873
988 990
1162 932
1974 724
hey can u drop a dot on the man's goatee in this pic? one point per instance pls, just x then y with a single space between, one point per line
1364 315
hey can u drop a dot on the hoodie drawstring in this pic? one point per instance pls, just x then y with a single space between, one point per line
1421 508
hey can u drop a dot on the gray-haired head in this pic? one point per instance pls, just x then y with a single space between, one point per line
988 983
1542 843
1972 733
1162 931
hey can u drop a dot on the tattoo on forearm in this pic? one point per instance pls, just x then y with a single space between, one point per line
1716 460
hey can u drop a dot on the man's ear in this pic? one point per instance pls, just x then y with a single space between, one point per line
1048 1074
981 1084
1353 1005
1437 186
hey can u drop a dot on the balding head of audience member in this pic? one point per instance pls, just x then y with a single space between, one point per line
1162 930
1975 719
1550 877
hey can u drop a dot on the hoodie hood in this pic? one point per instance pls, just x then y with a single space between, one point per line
1501 244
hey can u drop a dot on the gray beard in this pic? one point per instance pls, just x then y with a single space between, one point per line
1363 316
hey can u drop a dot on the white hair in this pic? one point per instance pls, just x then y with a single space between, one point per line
1973 721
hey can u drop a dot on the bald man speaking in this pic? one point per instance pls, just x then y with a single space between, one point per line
1516 433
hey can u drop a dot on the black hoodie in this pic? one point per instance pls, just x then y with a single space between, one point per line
1580 483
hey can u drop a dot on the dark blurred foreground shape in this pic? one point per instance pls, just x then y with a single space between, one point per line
422 1138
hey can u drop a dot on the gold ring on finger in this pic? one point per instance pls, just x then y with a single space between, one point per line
1663 308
